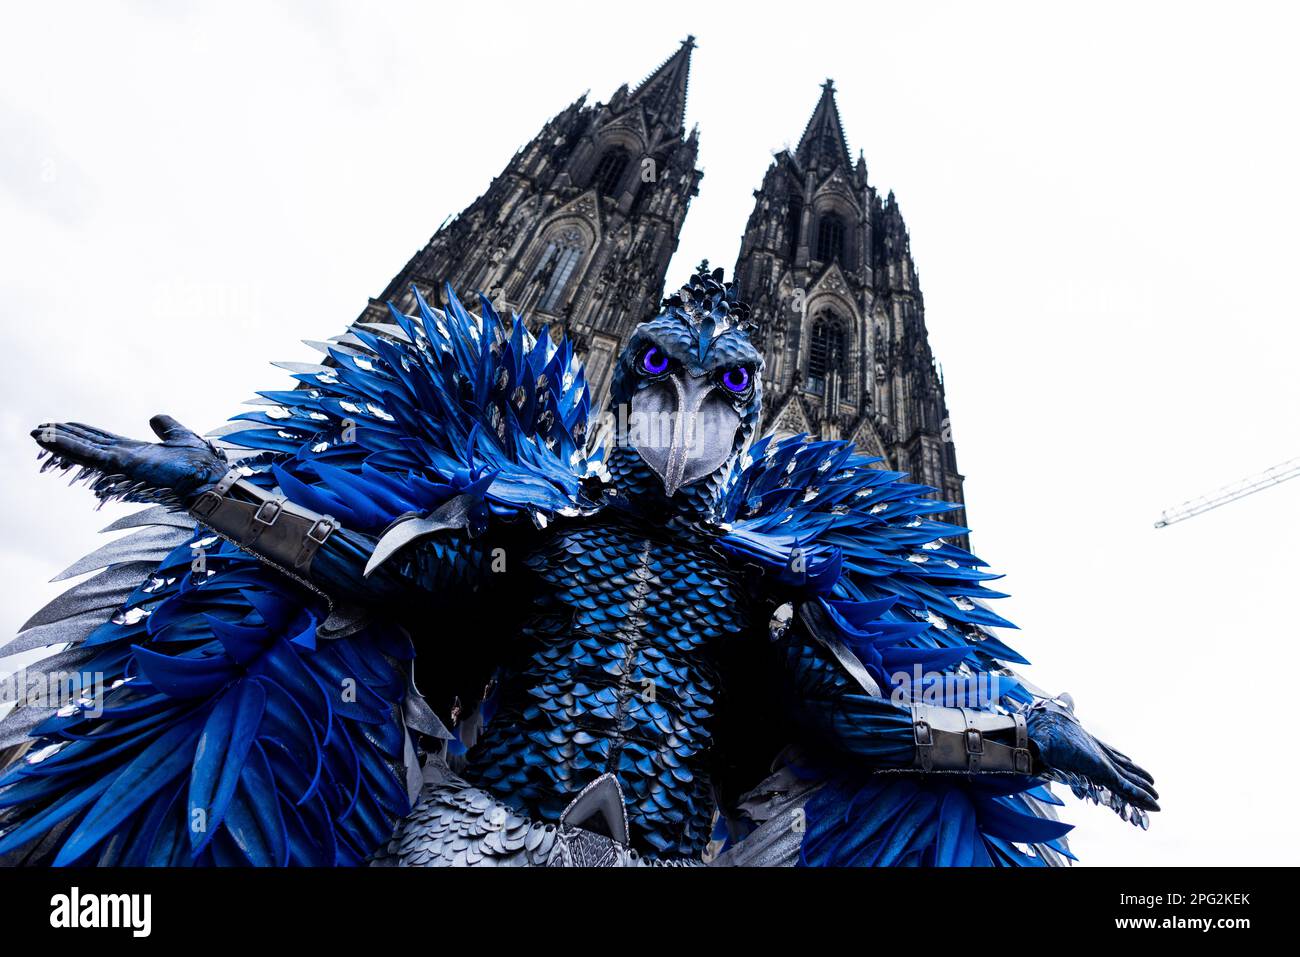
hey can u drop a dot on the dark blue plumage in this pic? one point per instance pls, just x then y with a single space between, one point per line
225 736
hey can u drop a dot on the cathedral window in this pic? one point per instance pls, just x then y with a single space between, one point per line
826 354
830 238
555 268
609 171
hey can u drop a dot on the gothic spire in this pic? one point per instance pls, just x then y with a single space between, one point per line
663 92
823 142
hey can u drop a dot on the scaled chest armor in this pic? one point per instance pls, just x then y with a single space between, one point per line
622 677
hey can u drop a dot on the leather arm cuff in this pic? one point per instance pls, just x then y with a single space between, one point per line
267 525
959 739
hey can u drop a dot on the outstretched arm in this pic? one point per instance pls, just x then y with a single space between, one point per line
185 471
833 700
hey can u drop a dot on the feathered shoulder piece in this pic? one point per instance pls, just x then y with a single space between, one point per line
406 414
865 547
832 525
203 712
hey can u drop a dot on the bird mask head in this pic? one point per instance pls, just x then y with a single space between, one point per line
691 382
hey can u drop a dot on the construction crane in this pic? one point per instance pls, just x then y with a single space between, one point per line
1230 493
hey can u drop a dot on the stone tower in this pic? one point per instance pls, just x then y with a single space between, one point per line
826 267
578 228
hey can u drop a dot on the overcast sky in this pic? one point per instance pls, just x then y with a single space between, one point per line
1103 207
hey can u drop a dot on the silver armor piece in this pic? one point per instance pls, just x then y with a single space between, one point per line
454 824
957 739
267 525
593 829
688 428
454 513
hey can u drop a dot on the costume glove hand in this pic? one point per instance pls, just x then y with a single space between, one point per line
171 471
1093 769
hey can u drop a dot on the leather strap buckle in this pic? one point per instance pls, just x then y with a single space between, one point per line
923 736
1022 761
314 538
322 530
207 503
269 511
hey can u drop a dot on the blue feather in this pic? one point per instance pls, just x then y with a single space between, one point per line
219 760
163 761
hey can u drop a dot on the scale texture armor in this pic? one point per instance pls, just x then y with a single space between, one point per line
453 825
623 679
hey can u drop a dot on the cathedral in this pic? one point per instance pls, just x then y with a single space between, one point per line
577 232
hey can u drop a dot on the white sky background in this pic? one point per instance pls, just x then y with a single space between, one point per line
1103 207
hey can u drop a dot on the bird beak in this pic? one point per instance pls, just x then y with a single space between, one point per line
684 428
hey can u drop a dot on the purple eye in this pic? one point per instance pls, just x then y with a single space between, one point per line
653 361
737 379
